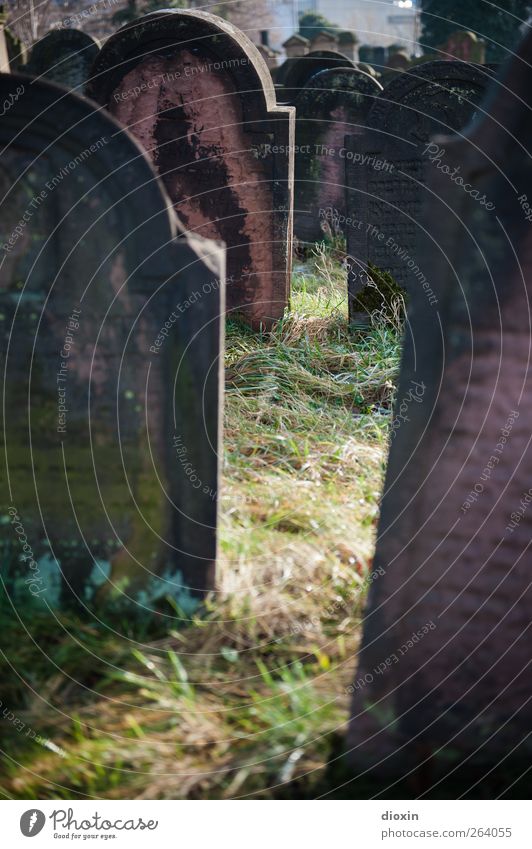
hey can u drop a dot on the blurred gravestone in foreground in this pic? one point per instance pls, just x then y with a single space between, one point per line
444 680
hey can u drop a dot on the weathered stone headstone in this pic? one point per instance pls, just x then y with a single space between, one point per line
295 46
348 44
398 61
4 50
199 97
333 104
373 55
443 686
64 56
294 74
324 40
111 350
464 45
385 169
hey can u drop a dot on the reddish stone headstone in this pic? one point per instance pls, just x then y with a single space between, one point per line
198 96
332 105
444 684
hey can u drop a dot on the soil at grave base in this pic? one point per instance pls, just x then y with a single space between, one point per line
188 116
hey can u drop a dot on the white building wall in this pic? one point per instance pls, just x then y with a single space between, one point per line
375 22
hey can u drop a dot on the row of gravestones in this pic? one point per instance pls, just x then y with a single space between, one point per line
354 143
113 284
106 301
361 158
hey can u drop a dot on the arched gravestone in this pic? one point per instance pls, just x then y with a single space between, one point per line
333 104
197 94
385 170
111 355
444 684
297 74
64 56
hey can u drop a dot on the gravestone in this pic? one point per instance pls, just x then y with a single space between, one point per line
373 55
348 44
295 46
198 96
464 45
4 49
386 168
333 104
64 56
16 51
323 40
294 74
111 351
443 687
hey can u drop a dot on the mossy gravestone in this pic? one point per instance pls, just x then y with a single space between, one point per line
199 97
443 687
333 104
386 171
64 56
111 348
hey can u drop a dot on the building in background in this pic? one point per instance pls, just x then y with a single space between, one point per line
269 23
378 23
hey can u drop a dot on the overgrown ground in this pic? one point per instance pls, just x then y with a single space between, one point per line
248 699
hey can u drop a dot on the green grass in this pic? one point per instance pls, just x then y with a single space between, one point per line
249 698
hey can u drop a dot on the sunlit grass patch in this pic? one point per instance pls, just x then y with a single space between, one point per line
247 696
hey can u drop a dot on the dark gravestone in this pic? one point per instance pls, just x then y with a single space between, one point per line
64 56
16 50
385 169
111 353
199 97
294 74
444 681
333 104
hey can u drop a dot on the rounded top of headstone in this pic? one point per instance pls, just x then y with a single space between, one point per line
201 32
348 88
44 52
347 37
304 67
64 56
344 79
46 118
434 97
